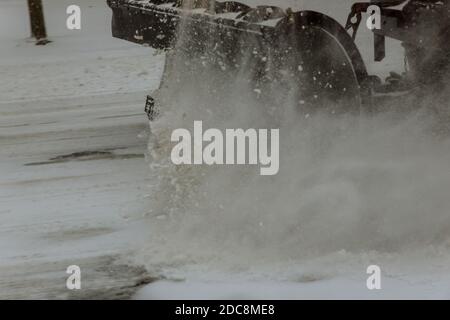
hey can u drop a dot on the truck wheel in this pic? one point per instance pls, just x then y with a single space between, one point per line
318 66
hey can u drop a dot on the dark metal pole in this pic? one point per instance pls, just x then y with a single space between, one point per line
37 21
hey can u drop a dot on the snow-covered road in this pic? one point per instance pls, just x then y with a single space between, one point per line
76 189
73 137
72 170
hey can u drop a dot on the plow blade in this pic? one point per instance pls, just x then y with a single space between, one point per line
156 23
316 53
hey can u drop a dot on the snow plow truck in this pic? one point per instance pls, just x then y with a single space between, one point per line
319 55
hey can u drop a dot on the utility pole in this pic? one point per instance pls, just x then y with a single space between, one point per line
37 22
